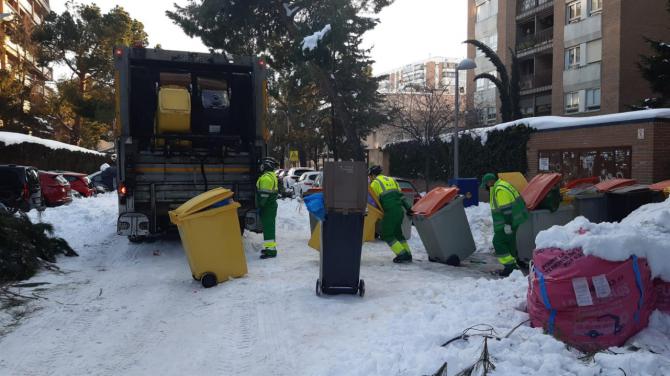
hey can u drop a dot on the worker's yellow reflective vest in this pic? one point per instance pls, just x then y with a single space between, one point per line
267 188
383 185
507 206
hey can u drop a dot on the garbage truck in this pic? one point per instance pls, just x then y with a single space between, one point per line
186 123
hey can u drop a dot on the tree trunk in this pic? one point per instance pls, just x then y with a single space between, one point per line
75 135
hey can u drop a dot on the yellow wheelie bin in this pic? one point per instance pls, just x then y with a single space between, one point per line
210 234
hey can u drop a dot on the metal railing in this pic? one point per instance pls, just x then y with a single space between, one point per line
523 6
525 42
532 81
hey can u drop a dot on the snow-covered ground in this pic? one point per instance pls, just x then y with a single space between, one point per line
125 309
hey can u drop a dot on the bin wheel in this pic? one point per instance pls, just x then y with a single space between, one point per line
208 280
136 239
361 288
433 259
318 287
453 260
193 275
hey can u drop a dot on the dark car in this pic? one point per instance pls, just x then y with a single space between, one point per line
98 183
20 188
56 190
408 189
79 183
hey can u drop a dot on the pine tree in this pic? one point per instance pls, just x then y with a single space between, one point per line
335 64
655 68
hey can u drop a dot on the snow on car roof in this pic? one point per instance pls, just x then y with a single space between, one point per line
11 138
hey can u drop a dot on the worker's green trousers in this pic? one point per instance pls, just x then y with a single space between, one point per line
505 246
268 219
392 228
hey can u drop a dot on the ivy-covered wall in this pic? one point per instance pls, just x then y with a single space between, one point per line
503 151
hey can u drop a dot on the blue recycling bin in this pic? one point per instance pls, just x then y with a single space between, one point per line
469 188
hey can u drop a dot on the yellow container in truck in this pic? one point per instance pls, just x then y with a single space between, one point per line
174 110
209 228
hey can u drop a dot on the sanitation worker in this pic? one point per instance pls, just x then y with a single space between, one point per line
395 207
509 212
267 190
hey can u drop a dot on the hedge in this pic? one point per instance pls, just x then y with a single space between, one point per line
504 150
45 158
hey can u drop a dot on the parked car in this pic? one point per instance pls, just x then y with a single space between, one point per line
79 183
56 190
305 183
408 189
20 188
293 175
98 184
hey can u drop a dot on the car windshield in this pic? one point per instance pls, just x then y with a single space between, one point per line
300 172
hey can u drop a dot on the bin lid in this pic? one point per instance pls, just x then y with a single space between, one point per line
538 188
435 200
630 188
608 185
517 179
202 201
660 186
582 182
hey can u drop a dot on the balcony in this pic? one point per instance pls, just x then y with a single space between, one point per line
525 8
540 41
535 83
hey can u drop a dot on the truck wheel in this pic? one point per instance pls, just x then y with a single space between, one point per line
208 280
136 239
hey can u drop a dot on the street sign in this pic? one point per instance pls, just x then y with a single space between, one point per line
294 157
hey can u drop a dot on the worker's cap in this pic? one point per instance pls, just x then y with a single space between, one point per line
487 178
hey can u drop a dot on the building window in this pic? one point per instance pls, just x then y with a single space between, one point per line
594 51
481 84
572 102
595 6
572 57
486 9
593 100
574 11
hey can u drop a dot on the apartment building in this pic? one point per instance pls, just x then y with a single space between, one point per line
436 72
576 57
32 12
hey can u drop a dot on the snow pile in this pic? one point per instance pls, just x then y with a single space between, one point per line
10 138
310 42
481 225
645 233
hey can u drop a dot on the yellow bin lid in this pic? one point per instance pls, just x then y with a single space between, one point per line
199 203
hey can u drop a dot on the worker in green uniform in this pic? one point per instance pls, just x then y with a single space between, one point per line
267 190
395 207
509 212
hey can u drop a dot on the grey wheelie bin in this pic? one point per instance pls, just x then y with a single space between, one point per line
540 220
443 227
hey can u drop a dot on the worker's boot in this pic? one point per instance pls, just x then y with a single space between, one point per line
507 270
268 253
403 257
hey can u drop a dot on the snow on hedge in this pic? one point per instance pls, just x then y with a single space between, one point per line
11 138
310 42
644 233
543 123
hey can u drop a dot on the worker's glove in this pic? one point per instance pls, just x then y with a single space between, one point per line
508 229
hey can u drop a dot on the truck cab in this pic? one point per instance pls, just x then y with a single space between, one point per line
186 123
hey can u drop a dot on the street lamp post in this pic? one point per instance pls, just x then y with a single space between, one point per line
465 64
